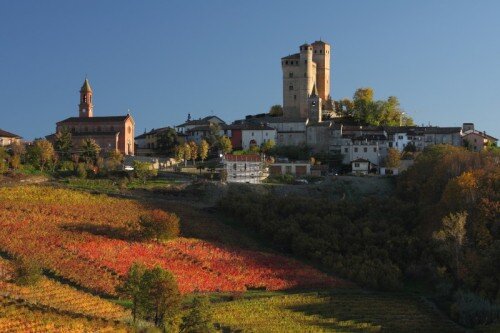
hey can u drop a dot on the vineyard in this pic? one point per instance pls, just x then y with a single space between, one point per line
57 228
84 244
340 311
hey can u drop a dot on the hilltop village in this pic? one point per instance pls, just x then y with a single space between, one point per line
341 136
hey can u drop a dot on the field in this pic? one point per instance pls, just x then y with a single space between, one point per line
82 241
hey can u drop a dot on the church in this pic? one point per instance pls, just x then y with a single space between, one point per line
110 132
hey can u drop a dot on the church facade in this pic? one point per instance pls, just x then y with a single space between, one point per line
112 133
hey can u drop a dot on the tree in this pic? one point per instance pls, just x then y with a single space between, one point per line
179 152
89 150
131 288
63 144
267 146
225 145
166 141
144 170
393 158
214 136
276 110
193 149
203 150
159 225
187 153
18 149
452 237
42 152
160 299
199 319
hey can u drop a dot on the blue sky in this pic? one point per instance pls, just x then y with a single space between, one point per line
165 59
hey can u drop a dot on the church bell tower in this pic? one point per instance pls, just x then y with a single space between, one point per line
86 108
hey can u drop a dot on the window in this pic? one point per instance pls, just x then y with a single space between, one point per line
290 87
374 149
294 97
252 133
290 74
234 166
286 62
356 165
400 137
356 149
346 150
365 149
390 144
320 51
314 51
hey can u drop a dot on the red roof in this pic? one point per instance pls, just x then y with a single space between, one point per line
242 158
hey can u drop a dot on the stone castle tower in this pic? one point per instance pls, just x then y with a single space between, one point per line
86 108
304 72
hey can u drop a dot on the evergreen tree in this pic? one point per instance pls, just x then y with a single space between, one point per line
63 144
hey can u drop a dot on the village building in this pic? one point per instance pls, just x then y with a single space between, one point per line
111 133
361 166
147 143
190 124
247 135
7 138
248 168
296 168
476 140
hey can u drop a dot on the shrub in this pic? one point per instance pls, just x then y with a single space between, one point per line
470 310
199 319
159 225
67 166
15 162
27 272
81 171
144 170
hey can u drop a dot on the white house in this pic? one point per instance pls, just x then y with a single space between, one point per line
7 138
256 135
361 166
244 168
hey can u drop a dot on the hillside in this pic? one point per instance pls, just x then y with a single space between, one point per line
83 240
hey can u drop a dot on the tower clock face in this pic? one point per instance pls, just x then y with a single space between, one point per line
84 110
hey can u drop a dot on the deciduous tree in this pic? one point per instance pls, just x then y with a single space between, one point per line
203 150
225 145
193 149
276 110
452 237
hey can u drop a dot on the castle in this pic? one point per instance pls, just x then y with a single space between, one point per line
306 82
